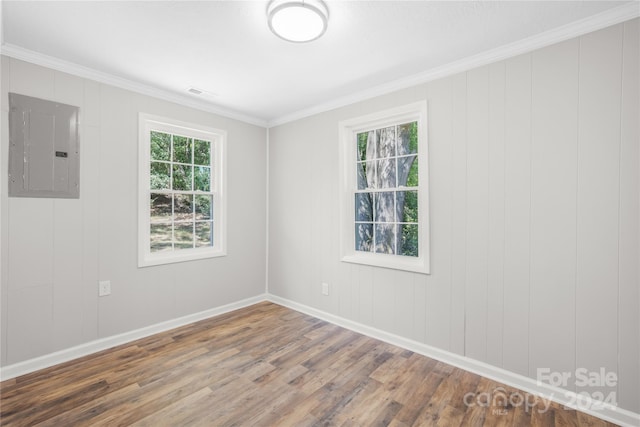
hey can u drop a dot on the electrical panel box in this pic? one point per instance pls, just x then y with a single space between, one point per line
43 148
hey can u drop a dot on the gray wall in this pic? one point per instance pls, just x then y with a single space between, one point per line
54 251
534 214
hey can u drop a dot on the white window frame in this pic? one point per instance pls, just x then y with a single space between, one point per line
218 138
348 130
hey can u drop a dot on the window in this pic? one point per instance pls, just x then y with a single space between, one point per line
181 205
384 200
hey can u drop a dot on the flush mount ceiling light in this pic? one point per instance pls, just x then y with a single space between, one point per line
298 21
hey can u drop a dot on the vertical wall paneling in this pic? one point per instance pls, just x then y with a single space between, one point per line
30 321
383 298
459 217
517 220
598 203
404 295
30 237
56 250
317 217
89 185
332 247
629 289
316 228
90 113
477 213
365 297
354 291
4 223
290 221
116 223
320 218
67 294
31 80
495 286
30 316
420 310
344 290
67 213
300 218
553 209
277 228
90 179
438 284
337 267
521 151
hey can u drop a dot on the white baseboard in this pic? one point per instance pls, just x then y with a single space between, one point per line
567 398
31 365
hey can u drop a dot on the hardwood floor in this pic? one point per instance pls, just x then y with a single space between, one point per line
266 365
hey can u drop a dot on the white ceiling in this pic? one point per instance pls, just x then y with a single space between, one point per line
226 49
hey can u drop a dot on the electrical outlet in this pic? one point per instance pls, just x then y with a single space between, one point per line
325 289
104 288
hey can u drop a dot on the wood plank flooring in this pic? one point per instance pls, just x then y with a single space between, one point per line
266 365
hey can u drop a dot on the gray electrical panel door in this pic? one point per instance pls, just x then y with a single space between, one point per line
43 148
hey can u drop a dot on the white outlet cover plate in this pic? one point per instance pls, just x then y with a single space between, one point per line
104 288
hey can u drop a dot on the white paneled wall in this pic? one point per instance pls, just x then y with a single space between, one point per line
458 212
554 148
534 215
598 198
434 307
55 251
517 215
477 215
628 312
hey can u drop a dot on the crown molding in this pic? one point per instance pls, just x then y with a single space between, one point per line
593 23
605 19
36 58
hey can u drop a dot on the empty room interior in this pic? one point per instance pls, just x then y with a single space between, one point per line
320 213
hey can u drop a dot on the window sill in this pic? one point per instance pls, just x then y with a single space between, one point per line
161 258
395 262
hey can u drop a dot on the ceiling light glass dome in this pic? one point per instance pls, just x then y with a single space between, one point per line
298 21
